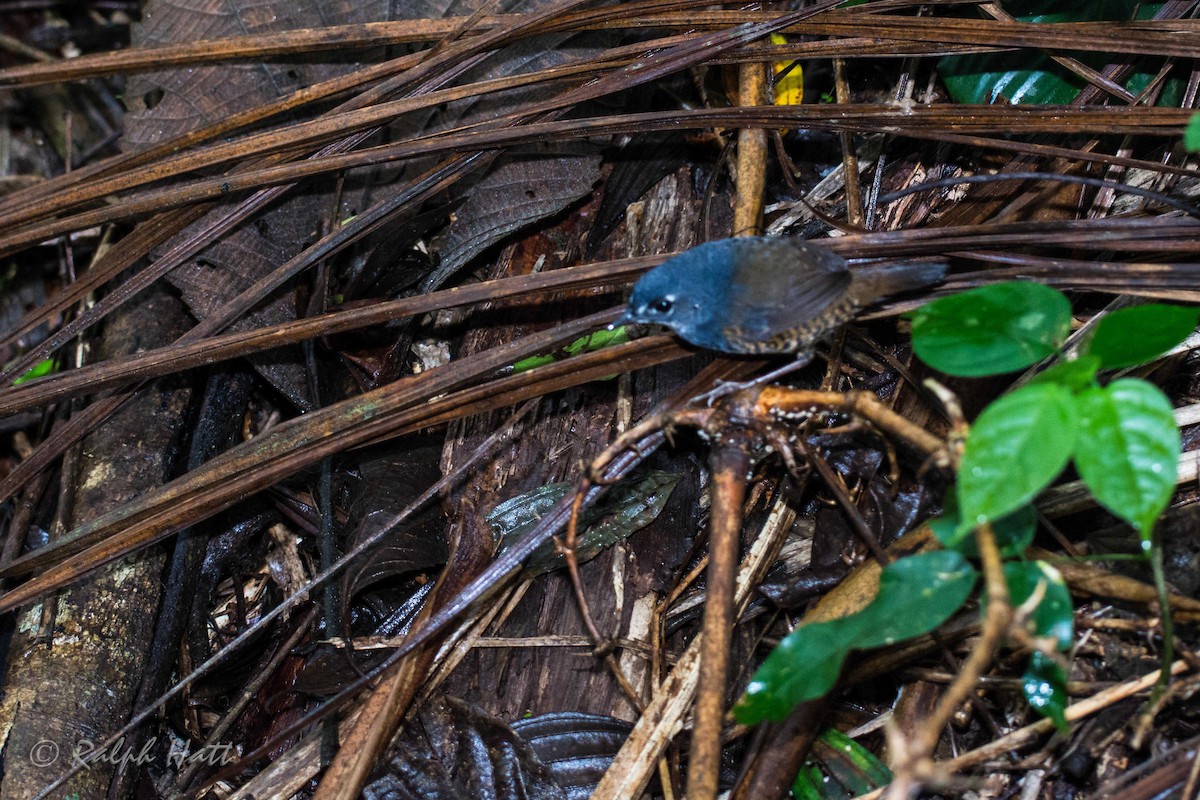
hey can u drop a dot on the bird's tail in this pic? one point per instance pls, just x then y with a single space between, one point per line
872 283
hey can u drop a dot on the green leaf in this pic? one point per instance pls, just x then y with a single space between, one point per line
1076 374
1054 615
991 330
532 362
1018 79
1135 335
1128 450
870 769
1014 532
38 370
1018 445
809 783
949 530
1035 79
804 666
1044 685
839 768
1191 134
596 340
916 594
630 506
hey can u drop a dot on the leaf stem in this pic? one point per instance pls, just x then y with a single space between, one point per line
995 625
915 762
1168 628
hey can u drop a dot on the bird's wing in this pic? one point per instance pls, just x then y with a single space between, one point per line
787 289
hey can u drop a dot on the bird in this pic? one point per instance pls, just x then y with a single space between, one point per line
764 295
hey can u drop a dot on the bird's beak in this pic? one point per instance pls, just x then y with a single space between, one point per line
624 319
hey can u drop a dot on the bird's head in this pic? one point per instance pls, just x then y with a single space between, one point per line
670 295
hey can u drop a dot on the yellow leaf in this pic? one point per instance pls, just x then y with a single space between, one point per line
789 79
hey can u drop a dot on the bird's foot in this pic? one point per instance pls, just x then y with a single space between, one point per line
726 388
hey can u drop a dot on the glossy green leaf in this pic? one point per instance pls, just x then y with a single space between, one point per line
1076 374
1029 78
1044 685
631 505
1025 78
1135 335
839 768
1014 532
1015 78
916 594
1054 615
1019 444
804 666
991 330
1128 450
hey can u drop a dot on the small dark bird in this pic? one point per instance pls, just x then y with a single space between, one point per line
763 295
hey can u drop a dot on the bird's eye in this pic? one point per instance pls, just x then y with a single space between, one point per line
663 305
